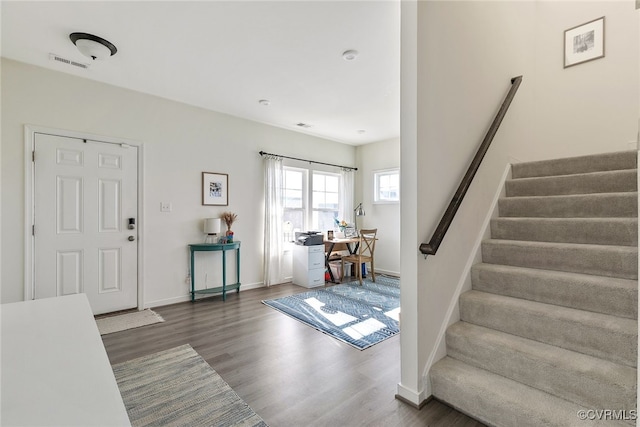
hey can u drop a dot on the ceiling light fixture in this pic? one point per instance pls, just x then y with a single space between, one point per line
361 131
350 55
264 102
93 47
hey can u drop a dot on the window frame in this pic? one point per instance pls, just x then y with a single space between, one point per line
307 195
312 209
377 174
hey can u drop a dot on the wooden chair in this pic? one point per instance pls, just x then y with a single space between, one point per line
364 254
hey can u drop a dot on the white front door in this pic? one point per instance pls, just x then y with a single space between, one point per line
85 196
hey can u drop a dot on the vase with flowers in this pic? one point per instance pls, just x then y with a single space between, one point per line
342 225
229 218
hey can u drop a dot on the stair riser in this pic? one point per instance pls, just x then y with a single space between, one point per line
589 293
614 205
609 261
614 231
609 341
586 381
602 182
575 165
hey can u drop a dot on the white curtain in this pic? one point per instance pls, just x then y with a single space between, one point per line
347 195
273 209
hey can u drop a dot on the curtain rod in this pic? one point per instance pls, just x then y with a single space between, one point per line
262 153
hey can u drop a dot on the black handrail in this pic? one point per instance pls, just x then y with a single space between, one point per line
432 247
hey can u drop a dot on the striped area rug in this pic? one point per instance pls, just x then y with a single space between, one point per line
177 387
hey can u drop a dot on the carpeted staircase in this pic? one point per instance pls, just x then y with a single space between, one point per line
549 327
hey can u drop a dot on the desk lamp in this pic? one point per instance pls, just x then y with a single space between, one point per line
359 211
211 228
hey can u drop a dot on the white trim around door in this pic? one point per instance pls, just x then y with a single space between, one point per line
29 145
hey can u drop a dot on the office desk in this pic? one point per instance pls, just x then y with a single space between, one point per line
350 244
211 247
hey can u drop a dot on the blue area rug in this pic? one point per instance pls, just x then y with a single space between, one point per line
357 315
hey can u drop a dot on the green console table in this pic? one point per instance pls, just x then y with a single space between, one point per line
210 247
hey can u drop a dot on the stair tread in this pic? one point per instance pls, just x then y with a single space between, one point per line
603 260
574 197
499 401
577 377
597 174
586 220
611 181
600 280
595 205
601 231
532 243
556 311
599 294
578 164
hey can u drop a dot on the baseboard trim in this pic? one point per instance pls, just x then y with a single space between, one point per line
413 405
184 298
411 397
388 272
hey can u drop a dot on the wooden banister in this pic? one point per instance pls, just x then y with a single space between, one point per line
447 218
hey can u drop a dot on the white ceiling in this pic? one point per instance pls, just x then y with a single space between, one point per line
227 55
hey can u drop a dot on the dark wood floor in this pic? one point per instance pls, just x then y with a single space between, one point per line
289 373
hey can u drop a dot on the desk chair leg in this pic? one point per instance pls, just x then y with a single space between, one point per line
373 274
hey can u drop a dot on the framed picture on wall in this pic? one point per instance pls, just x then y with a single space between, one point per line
584 43
215 189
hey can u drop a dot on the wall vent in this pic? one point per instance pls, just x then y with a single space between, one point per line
303 125
57 58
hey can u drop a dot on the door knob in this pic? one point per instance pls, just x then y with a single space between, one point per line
131 238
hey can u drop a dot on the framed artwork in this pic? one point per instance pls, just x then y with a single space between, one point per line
584 43
350 231
215 189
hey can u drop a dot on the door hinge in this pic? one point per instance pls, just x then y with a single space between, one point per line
33 230
33 156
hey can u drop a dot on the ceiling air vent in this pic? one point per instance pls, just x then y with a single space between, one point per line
303 125
56 58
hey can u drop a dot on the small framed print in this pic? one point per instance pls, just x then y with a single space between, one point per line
584 43
215 189
350 231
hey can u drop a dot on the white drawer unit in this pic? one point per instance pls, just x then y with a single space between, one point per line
308 265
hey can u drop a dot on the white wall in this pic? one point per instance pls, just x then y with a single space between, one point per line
466 52
180 143
385 216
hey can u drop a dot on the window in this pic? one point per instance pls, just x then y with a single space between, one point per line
310 205
295 196
386 186
325 200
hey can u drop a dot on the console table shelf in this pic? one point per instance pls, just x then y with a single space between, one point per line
216 247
